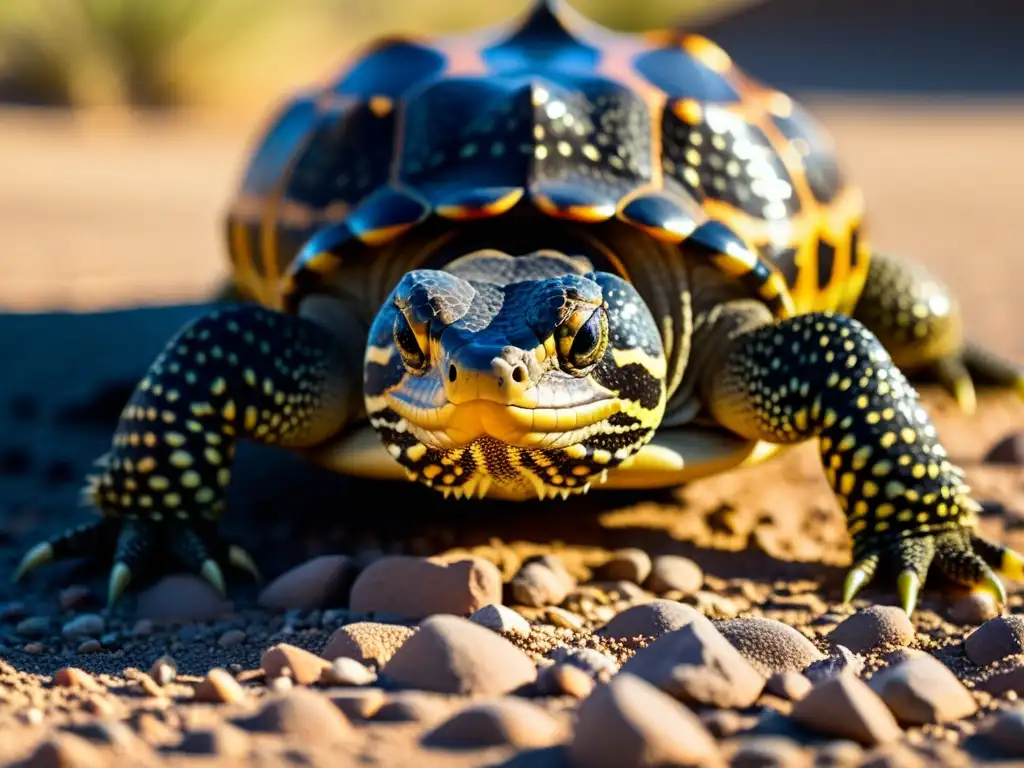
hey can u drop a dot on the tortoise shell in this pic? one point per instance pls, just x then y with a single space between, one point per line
553 113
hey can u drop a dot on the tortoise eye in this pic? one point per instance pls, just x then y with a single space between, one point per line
587 345
413 356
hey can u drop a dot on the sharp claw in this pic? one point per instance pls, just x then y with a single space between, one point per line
957 380
1012 565
212 573
907 586
241 559
855 581
40 554
120 577
992 585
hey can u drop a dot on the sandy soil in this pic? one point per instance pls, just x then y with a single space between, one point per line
101 218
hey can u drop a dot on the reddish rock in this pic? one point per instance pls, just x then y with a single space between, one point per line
303 667
317 583
414 587
368 642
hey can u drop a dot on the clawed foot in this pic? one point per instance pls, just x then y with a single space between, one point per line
974 365
963 557
140 547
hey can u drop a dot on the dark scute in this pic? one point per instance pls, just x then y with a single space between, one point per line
678 74
541 41
288 128
784 259
826 262
390 70
347 157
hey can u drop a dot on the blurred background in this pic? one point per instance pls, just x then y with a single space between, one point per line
124 125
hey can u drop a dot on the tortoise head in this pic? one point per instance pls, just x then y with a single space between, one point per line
530 373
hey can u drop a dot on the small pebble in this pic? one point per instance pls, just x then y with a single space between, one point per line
73 677
501 618
231 639
769 752
303 713
415 587
34 648
411 707
450 654
143 628
65 749
507 721
164 670
345 671
1006 731
34 626
672 573
89 646
223 741
873 628
305 667
631 564
73 596
368 642
845 706
32 716
220 687
87 625
995 639
769 645
565 679
629 723
281 684
974 608
652 619
698 665
1009 450
181 597
358 703
923 690
840 661
788 685
598 665
563 618
317 583
541 583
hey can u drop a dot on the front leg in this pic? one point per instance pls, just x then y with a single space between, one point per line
828 377
918 320
244 371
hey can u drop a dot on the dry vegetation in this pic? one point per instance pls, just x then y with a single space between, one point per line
231 53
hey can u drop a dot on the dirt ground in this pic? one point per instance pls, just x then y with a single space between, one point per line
121 223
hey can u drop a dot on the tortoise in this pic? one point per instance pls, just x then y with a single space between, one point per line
542 258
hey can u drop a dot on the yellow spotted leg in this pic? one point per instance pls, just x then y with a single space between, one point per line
828 377
919 321
238 372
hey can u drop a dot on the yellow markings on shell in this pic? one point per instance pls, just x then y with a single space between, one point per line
159 483
887 440
146 464
212 455
190 479
181 459
229 411
219 386
251 417
416 452
223 477
171 500
205 495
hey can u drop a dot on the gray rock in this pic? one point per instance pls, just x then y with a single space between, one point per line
507 721
923 690
672 573
628 723
769 645
846 707
995 639
842 660
450 654
652 619
501 618
878 626
697 664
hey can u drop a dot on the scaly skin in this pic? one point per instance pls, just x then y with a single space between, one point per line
826 376
243 371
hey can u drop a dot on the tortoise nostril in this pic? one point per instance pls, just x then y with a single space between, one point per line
519 374
452 373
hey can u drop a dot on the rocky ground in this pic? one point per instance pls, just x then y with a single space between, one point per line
694 627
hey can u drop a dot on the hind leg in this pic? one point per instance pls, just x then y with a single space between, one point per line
918 320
